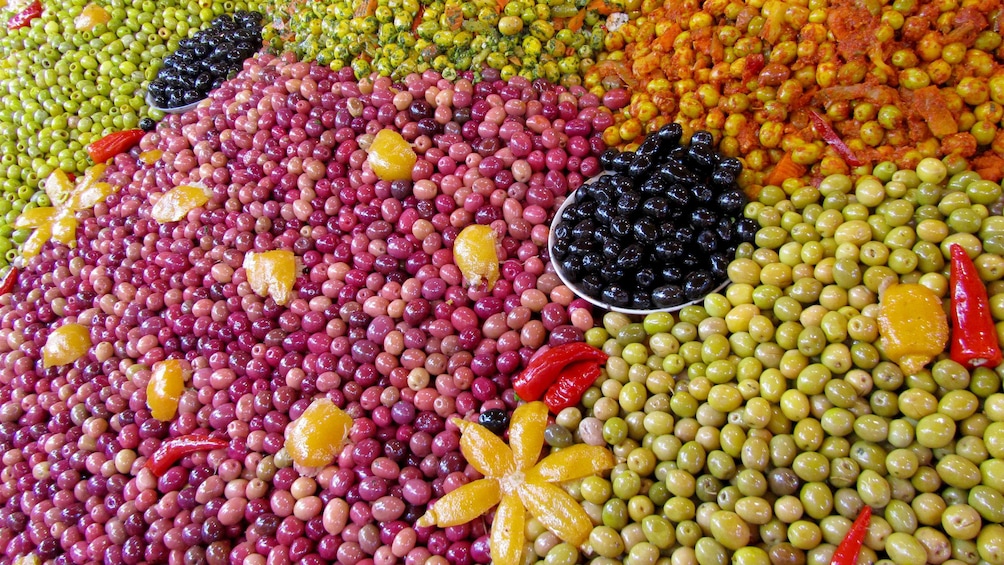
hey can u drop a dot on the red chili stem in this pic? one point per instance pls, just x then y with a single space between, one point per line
830 136
9 280
177 447
113 144
849 548
573 381
543 370
974 335
24 17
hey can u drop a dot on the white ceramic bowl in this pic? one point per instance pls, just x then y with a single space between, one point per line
551 239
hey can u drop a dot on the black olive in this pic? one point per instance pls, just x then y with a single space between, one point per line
572 266
645 277
186 43
723 178
667 229
607 158
702 193
697 284
192 96
651 146
605 212
657 207
611 249
719 265
602 236
620 227
678 195
592 285
684 234
725 231
615 295
668 250
641 300
731 164
560 250
640 166
667 295
580 247
592 262
654 186
156 86
611 272
703 218
218 83
731 201
645 230
203 82
584 229
147 124
702 137
628 203
672 273
671 133
676 171
219 69
703 157
691 261
631 256
562 231
746 229
708 241
622 162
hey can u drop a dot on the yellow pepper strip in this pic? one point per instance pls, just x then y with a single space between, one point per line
913 325
88 196
571 463
163 392
271 274
64 228
508 532
34 243
485 450
150 157
557 511
65 345
58 188
526 433
463 504
35 218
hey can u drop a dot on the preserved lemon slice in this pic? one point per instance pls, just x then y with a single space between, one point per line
474 253
271 274
316 437
176 203
913 325
391 156
65 345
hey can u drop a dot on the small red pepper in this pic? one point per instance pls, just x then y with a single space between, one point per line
830 136
177 447
849 548
974 336
544 369
24 17
9 280
573 381
113 144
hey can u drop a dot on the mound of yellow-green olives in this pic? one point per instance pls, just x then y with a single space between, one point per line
398 37
63 88
754 428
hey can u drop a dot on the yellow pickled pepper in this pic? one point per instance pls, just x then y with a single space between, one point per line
163 391
913 325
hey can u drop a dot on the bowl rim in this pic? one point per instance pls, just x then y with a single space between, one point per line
570 199
177 110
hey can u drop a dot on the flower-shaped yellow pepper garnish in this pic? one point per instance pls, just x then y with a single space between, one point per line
272 273
516 485
58 222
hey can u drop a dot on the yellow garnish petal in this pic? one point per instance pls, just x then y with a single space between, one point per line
34 243
65 345
150 157
463 504
87 197
391 156
526 433
485 450
557 511
91 16
64 228
58 187
34 218
507 535
572 463
475 255
176 203
271 274
163 392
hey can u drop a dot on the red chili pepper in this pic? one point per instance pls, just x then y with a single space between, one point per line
849 548
9 280
830 136
544 369
177 447
573 381
418 17
24 17
974 336
113 144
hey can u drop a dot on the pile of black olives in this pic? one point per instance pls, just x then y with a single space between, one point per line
659 229
202 62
